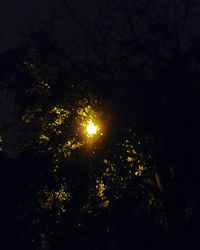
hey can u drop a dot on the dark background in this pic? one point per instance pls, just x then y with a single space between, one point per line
141 60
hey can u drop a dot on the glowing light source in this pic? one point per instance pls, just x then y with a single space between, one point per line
91 129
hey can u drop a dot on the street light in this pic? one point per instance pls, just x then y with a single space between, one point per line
91 129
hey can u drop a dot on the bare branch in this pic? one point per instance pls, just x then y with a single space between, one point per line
157 54
76 19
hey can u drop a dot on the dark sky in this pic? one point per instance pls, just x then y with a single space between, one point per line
25 16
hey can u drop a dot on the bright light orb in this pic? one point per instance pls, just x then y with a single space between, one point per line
91 129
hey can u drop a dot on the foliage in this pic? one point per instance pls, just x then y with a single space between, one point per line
75 173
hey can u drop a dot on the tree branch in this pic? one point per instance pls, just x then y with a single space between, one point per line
76 19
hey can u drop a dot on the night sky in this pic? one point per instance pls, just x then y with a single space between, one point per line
26 16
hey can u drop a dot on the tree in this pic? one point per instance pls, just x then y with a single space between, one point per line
67 184
136 65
